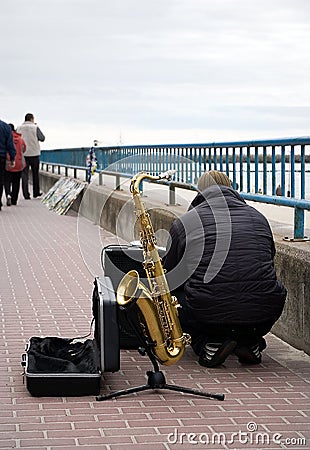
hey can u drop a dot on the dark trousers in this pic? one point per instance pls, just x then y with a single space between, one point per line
12 184
34 163
244 335
2 170
201 333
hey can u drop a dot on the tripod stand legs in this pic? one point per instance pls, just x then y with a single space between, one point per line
156 380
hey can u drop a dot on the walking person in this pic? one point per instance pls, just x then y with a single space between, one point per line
6 146
32 135
13 174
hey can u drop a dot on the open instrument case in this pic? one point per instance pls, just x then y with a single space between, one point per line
55 366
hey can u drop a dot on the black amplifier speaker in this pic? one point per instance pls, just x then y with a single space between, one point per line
116 261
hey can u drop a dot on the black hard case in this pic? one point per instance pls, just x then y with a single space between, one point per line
64 367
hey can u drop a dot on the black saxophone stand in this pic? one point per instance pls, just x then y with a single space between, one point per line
155 378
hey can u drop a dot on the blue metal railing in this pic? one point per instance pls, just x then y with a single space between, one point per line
258 169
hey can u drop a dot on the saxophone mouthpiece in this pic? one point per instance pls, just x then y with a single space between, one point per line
168 174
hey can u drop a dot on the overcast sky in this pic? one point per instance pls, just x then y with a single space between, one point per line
163 71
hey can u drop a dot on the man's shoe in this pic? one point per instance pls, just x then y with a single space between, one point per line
8 200
251 354
38 195
214 354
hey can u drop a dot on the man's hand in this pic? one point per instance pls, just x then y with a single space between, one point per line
12 163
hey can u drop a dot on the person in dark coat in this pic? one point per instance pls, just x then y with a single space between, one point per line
220 255
6 146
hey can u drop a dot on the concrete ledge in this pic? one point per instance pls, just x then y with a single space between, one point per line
47 180
114 211
293 268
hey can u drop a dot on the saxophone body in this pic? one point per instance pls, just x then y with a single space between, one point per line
157 307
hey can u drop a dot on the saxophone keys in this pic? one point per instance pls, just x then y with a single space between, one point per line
175 302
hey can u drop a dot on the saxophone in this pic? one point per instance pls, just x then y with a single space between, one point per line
158 308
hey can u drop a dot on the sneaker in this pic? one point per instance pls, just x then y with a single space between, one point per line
214 354
8 200
251 354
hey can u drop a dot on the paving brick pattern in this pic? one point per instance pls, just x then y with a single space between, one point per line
48 263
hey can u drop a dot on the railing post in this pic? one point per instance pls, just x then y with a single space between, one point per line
248 169
299 222
234 168
273 169
221 159
264 170
292 171
256 169
283 170
241 169
100 179
171 194
302 174
117 183
227 161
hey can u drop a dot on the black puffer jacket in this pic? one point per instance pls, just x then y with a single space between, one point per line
223 250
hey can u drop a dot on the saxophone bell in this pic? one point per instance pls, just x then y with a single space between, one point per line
130 289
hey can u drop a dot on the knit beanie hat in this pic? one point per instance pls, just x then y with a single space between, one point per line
211 178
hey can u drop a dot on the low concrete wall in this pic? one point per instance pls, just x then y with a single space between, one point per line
47 180
293 268
115 213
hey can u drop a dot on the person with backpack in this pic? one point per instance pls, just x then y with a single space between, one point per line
13 174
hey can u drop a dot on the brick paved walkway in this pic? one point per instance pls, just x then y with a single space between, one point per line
45 289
